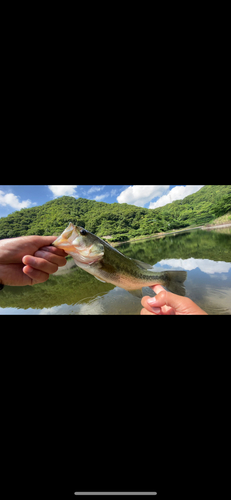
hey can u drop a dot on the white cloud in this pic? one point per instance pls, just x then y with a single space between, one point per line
113 192
101 197
176 193
205 265
140 195
95 188
63 190
13 201
93 307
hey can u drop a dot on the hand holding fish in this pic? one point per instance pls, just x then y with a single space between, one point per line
166 303
28 260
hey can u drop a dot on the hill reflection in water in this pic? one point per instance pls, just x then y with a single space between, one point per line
206 256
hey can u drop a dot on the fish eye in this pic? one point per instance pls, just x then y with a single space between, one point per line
83 232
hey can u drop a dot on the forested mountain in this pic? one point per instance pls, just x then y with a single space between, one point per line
122 221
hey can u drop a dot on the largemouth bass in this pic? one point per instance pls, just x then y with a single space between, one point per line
109 265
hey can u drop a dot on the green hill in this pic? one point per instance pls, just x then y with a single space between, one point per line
121 221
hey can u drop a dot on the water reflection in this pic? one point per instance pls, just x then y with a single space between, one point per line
205 265
205 286
208 282
205 256
116 301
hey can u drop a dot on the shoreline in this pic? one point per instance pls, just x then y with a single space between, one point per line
162 235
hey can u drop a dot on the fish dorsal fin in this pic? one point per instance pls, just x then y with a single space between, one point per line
142 265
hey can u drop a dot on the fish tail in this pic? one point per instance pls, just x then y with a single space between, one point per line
174 281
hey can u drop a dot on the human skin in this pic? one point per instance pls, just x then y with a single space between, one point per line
28 260
167 303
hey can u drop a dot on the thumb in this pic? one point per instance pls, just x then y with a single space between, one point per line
169 299
42 241
182 305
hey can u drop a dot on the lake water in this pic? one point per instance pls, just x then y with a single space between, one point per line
205 255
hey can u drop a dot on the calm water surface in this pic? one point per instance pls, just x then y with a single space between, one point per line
205 255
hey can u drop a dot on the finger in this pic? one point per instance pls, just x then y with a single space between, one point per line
41 241
55 250
144 312
40 264
169 299
158 288
34 275
147 306
51 257
152 301
166 310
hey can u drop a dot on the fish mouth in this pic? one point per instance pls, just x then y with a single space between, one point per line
65 240
73 241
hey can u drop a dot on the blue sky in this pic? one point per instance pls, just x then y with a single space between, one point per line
15 197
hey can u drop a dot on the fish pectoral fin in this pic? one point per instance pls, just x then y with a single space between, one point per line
142 265
136 293
100 280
